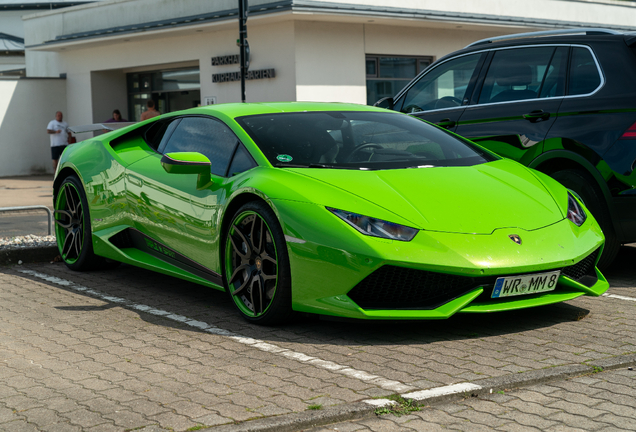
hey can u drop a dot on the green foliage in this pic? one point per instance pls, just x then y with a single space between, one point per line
315 407
400 408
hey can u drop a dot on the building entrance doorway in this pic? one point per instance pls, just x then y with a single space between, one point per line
170 89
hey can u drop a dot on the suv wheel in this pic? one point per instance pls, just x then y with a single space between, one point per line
583 184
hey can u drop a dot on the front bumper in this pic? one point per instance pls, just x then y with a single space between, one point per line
330 262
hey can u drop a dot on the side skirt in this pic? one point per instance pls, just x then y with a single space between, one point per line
132 238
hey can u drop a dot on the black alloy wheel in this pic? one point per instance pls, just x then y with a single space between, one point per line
72 226
256 265
584 185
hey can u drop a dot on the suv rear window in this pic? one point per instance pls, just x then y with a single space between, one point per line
584 75
524 73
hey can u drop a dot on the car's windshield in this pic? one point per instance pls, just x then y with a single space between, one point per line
357 140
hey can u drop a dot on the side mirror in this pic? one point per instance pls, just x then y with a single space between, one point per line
386 102
188 163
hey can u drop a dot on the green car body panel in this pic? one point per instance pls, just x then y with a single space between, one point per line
464 216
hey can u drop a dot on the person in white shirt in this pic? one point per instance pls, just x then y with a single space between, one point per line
58 130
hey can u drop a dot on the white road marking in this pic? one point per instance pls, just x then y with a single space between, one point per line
428 394
441 391
256 343
379 403
620 297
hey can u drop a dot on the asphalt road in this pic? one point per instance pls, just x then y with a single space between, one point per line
129 349
20 192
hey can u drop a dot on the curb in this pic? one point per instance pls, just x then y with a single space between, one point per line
303 420
28 254
358 410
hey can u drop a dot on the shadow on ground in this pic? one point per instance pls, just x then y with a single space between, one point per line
216 308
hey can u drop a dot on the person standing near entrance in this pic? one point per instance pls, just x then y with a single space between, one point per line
59 134
150 112
116 118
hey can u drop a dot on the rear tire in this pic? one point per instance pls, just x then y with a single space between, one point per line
583 184
73 226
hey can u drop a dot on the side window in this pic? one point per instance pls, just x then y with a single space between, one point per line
516 74
159 132
554 81
242 161
445 86
584 75
206 136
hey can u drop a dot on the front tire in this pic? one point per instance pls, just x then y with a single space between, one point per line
73 226
583 184
256 265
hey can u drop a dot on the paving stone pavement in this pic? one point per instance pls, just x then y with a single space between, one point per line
598 402
71 360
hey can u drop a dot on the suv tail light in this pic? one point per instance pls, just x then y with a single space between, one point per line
629 133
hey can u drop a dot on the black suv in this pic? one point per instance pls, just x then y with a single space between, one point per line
562 102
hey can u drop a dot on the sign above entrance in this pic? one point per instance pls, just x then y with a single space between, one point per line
236 76
225 60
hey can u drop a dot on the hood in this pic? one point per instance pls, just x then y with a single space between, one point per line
477 199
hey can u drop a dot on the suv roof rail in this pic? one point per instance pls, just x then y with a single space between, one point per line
587 31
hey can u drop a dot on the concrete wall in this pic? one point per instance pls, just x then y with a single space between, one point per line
271 46
26 107
108 90
418 41
330 62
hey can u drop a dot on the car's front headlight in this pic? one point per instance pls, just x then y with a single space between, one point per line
576 214
376 227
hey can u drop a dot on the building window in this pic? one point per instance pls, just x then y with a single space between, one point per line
387 75
171 90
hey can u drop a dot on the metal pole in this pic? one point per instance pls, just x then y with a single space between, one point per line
242 36
26 208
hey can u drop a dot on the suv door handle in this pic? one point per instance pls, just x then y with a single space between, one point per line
536 115
446 123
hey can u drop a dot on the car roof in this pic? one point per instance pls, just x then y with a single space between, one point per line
582 32
581 37
243 109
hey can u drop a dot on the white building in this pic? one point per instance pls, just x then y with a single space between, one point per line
120 53
12 30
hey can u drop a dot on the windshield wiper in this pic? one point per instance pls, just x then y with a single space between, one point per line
422 166
319 165
286 165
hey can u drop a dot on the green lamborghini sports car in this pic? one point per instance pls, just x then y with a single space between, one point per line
333 209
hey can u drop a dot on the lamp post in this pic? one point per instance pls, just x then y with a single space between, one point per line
244 46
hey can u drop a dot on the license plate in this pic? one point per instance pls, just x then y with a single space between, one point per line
509 286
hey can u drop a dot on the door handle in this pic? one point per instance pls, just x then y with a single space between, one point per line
446 123
536 115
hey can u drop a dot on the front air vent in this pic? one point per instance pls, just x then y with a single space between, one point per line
584 271
392 287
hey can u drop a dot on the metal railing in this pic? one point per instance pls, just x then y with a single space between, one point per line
27 208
